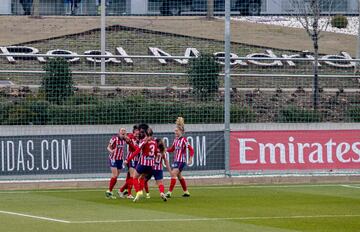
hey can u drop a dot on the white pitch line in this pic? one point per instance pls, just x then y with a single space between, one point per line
266 186
51 191
350 186
193 187
211 219
35 217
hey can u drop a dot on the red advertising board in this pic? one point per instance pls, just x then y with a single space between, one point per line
295 150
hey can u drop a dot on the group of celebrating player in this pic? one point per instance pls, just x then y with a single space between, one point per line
145 159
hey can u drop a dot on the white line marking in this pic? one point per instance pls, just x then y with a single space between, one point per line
266 186
211 219
35 217
192 187
350 186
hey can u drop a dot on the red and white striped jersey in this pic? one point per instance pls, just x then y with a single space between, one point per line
148 151
131 151
179 146
158 162
119 146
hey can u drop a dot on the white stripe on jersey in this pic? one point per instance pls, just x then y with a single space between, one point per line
158 162
180 149
119 148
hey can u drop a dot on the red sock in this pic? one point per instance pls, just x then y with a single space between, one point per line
161 188
122 189
172 184
112 183
136 184
146 186
125 185
142 183
130 185
183 184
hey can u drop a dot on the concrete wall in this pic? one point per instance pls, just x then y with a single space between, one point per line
5 7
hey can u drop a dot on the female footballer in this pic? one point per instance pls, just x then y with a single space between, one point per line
116 152
148 148
179 147
157 171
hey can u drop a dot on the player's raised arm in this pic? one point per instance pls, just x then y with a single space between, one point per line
172 148
135 153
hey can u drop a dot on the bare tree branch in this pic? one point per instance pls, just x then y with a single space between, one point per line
308 13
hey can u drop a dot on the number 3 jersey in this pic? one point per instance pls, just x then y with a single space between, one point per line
148 152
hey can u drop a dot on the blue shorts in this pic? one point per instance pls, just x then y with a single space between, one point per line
157 174
133 164
116 163
142 169
179 165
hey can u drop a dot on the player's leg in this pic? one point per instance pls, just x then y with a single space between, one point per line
124 189
183 185
174 172
159 181
146 186
114 175
142 181
132 171
136 182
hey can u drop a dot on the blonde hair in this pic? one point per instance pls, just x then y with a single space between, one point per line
180 123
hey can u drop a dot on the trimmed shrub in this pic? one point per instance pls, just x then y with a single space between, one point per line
241 115
57 83
295 114
28 113
203 76
134 109
72 114
339 21
353 114
39 112
82 99
4 112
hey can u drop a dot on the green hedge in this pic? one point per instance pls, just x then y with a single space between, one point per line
117 111
4 111
353 114
339 21
24 113
294 114
136 109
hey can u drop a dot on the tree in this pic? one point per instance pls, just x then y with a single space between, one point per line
308 13
203 76
57 83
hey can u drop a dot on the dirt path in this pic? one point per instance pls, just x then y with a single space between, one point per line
20 29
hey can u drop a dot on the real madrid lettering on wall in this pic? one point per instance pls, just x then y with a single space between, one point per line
13 54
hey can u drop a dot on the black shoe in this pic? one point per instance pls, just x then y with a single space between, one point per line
125 192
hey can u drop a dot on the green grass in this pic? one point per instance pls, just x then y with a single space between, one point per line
237 208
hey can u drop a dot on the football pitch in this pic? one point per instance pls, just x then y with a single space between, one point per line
257 208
